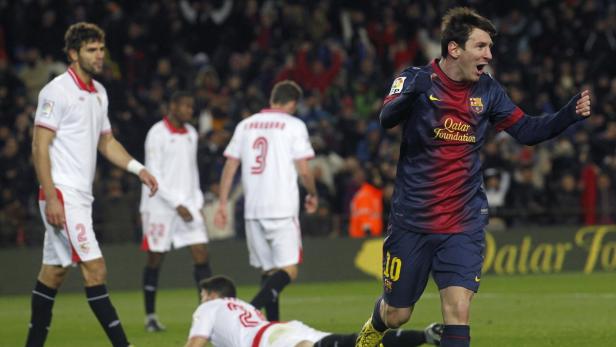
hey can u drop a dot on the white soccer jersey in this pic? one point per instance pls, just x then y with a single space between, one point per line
171 157
77 113
227 322
267 143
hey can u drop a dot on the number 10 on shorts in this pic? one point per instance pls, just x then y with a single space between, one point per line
392 267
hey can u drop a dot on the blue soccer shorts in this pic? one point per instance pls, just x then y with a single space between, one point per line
410 257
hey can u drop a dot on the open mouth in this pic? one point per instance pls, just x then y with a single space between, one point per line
480 68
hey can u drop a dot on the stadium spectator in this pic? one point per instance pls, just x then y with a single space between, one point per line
606 200
264 33
497 183
564 205
366 215
227 321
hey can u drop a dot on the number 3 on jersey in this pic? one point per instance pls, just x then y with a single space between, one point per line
260 147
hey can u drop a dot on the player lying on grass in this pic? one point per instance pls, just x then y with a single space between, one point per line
227 321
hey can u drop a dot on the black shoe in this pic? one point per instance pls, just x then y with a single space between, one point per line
153 325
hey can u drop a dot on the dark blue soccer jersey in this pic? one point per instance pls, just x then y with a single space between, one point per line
438 185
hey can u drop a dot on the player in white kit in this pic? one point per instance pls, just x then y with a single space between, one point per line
71 124
173 217
272 147
226 321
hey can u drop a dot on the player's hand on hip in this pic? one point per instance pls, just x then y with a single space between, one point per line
311 203
582 107
184 213
220 218
149 180
54 212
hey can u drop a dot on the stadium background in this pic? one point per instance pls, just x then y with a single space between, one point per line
544 199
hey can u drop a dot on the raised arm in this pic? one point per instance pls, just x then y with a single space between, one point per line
398 103
111 149
532 130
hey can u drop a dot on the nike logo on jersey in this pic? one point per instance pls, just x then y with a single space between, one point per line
433 98
477 279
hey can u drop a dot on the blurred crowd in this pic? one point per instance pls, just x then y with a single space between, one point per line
344 54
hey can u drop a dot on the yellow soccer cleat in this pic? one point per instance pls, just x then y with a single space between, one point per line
368 336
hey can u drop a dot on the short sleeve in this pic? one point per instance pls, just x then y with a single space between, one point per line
203 321
233 149
301 147
503 112
50 108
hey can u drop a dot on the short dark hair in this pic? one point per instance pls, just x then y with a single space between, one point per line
285 91
180 94
221 285
79 33
457 25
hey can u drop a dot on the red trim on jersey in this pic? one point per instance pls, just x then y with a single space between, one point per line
90 88
105 132
257 340
273 110
48 127
74 255
308 157
389 98
513 118
448 82
172 128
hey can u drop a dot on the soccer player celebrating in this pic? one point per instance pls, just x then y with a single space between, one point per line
71 124
227 321
272 147
439 209
173 216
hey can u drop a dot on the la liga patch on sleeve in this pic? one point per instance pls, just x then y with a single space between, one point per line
46 108
396 86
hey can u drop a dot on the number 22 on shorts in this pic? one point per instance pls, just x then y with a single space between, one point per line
393 265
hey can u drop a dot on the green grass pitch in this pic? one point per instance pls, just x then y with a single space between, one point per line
549 310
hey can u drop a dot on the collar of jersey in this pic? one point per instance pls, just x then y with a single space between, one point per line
90 88
173 129
448 82
272 110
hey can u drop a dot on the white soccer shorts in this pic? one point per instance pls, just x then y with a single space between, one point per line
290 334
274 243
75 242
163 230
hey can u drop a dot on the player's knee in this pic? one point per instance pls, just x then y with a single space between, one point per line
292 271
456 311
94 276
395 317
52 276
199 253
155 259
